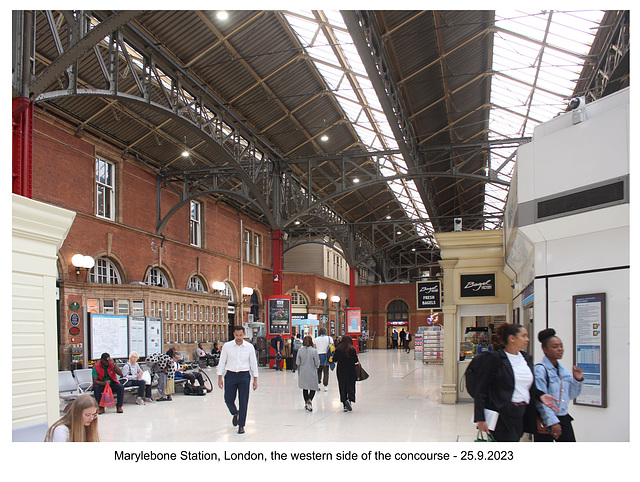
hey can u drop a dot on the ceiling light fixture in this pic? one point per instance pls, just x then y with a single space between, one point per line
222 15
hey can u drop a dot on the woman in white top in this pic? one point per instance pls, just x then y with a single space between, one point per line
506 385
79 424
132 372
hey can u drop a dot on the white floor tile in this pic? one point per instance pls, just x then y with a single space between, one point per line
400 402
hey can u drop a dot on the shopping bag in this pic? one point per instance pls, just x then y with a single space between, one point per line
107 399
171 387
361 373
146 376
484 437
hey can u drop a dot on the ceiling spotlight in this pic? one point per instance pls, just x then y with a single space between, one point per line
222 15
324 138
356 180
185 153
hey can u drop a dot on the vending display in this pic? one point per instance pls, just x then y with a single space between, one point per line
432 344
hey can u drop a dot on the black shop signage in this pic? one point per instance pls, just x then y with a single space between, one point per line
472 285
428 294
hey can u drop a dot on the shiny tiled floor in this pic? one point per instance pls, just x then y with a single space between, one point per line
400 402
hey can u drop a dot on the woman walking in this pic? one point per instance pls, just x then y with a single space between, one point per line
506 385
307 361
346 360
553 378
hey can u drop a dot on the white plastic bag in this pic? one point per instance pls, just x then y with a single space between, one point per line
146 376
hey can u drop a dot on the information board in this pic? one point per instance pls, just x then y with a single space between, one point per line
589 323
154 335
109 334
137 339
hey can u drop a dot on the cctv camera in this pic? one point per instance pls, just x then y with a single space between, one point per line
574 103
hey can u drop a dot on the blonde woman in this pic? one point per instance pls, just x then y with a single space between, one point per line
132 372
79 424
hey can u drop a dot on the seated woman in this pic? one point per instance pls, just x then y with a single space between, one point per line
79 424
132 373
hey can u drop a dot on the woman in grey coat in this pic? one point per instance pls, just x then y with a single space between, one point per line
308 362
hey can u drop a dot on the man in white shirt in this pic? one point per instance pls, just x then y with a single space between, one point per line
322 342
238 358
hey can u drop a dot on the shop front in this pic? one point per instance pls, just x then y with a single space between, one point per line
477 298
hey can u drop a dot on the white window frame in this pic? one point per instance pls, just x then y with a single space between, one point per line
123 307
105 272
196 284
137 308
247 246
108 307
155 275
105 189
195 224
257 249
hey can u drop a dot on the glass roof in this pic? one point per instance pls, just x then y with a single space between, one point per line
537 60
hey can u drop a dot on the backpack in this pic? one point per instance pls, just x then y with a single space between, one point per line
193 390
274 342
330 351
297 343
471 374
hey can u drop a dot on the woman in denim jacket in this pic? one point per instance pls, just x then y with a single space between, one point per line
556 380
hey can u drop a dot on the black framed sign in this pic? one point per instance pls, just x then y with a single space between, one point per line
589 342
428 294
472 285
279 314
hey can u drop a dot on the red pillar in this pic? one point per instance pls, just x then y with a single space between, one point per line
276 254
22 125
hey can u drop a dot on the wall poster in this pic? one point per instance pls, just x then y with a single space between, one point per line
279 314
589 330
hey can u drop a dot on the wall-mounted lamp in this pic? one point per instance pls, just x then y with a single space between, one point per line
246 293
218 286
322 296
335 299
81 261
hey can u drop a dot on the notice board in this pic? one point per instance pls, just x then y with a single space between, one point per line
108 334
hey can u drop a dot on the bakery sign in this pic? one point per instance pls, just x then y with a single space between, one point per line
472 285
428 294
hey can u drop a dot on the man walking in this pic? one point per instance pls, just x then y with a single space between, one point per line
238 358
322 342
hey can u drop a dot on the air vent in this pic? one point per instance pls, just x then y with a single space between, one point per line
595 197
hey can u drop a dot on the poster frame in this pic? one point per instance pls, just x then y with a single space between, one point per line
600 342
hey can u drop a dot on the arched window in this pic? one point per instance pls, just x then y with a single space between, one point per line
298 299
157 277
228 292
105 272
196 284
398 310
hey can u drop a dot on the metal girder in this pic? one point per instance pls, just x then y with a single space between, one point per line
361 26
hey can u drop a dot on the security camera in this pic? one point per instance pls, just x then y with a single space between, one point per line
576 102
457 224
578 107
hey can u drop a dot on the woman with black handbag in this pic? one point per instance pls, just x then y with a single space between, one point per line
346 359
553 378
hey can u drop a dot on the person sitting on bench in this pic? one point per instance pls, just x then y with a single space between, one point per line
105 371
202 355
132 372
189 377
